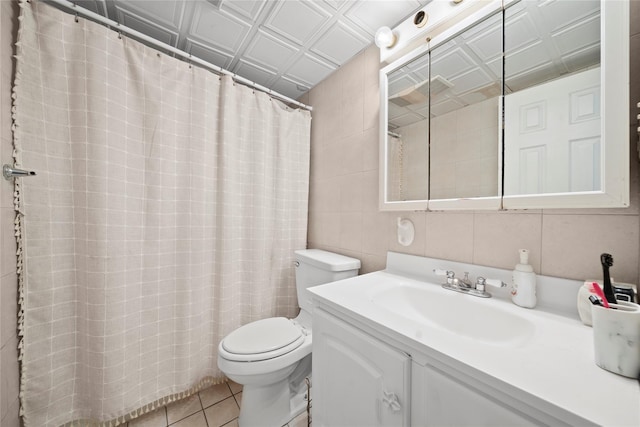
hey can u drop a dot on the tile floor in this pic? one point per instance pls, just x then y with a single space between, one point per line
213 407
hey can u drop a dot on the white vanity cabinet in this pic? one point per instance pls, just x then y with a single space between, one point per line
366 380
444 397
361 382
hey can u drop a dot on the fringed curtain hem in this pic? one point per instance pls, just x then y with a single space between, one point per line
203 384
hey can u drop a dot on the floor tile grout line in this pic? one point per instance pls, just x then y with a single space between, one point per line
229 422
186 416
218 401
233 394
234 398
204 414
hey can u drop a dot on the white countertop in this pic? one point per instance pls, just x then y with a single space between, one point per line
555 364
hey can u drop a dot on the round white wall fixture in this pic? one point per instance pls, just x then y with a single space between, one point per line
406 231
385 37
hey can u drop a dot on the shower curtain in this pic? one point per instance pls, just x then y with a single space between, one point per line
166 208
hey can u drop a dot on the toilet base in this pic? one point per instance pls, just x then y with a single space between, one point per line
270 405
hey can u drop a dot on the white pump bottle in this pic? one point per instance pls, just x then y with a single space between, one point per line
523 292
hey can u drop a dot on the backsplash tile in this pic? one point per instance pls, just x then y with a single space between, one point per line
8 259
374 236
351 231
350 190
9 312
571 245
498 236
449 236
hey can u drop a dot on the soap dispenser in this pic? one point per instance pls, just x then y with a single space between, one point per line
523 292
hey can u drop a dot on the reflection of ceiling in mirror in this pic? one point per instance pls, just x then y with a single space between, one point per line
543 41
546 40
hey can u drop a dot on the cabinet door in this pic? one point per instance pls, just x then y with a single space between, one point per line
357 379
444 400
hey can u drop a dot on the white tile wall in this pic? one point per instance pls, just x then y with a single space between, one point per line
563 242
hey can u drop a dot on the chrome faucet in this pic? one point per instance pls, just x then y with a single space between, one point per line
465 282
465 285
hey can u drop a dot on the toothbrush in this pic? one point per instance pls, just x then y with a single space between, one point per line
596 288
607 261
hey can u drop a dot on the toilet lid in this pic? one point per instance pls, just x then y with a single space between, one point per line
263 339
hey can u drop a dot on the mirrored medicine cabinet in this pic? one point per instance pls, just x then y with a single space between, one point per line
522 105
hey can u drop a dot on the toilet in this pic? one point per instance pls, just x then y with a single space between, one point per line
272 357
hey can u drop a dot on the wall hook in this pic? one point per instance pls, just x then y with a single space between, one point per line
8 172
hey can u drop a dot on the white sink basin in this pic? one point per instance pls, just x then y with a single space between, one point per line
472 317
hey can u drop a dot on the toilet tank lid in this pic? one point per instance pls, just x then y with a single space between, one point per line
327 260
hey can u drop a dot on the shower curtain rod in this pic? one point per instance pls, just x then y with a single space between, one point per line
116 26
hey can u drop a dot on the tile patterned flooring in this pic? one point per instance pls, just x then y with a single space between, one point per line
213 407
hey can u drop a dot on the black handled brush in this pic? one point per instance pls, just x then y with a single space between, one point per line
607 261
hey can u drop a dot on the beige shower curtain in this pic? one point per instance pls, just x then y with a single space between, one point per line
165 213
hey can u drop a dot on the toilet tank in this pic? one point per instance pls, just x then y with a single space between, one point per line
315 267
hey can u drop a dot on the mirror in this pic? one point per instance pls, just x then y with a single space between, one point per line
564 111
408 132
466 84
552 103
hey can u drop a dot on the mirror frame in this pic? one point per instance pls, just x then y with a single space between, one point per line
614 63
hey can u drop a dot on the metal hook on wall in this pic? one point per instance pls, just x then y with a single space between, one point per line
8 172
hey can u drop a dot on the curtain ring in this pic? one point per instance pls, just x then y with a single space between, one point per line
119 35
76 18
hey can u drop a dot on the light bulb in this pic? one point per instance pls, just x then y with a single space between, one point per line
385 37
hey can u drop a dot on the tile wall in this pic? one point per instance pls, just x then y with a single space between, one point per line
343 206
8 280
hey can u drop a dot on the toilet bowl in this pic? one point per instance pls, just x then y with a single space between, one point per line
265 374
271 357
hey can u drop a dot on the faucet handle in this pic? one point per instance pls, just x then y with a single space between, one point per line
441 272
496 282
481 283
450 274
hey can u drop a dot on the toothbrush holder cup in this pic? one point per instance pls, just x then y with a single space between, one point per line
616 338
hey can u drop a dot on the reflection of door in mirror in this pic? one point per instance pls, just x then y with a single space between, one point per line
554 136
552 108
466 83
408 132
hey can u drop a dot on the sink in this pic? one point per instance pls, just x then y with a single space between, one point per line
465 315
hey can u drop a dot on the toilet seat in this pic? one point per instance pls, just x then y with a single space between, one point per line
261 340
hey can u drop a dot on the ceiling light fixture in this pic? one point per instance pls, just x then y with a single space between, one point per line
385 37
